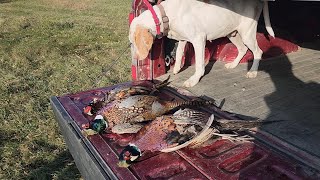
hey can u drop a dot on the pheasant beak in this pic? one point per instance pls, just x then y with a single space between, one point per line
123 164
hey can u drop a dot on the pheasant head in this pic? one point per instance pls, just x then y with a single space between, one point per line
128 155
98 125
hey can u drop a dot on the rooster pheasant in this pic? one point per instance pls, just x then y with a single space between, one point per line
126 115
184 128
122 92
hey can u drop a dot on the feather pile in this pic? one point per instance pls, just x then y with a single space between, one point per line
140 111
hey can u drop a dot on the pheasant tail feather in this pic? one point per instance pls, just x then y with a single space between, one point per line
190 116
190 103
236 125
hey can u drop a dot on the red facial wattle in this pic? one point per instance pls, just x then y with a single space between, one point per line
87 109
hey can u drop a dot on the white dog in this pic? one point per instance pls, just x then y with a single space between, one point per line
196 21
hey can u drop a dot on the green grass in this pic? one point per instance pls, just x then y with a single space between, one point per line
53 47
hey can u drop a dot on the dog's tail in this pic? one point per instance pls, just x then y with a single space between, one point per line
266 18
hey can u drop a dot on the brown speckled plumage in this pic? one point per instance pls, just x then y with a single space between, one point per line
152 136
122 92
170 130
140 108
184 128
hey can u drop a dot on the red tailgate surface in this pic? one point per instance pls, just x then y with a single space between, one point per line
222 159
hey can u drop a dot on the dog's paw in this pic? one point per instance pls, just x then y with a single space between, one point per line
191 82
230 65
252 74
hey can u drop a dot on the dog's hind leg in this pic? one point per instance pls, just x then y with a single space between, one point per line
179 54
250 40
257 54
242 49
199 44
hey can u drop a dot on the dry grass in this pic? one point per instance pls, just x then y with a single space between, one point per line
52 48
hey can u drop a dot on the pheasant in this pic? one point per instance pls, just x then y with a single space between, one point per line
121 93
184 128
126 115
166 133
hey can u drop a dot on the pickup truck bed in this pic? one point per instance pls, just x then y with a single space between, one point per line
96 156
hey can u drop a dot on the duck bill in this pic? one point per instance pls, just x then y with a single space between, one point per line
123 164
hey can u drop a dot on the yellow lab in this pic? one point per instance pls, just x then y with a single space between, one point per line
196 22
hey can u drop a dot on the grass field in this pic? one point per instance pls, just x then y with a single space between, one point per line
53 47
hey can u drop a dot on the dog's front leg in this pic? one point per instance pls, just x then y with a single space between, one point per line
199 49
179 54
